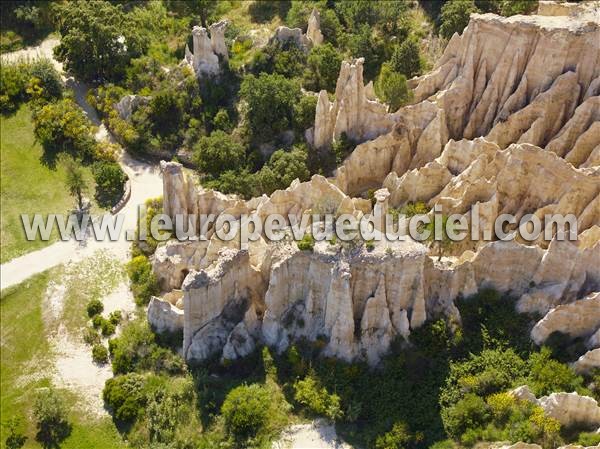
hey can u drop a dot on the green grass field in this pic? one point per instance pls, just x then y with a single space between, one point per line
27 186
26 363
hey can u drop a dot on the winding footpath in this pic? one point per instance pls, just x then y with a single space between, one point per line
145 181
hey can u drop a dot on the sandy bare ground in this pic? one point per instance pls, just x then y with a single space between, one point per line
71 362
146 182
316 435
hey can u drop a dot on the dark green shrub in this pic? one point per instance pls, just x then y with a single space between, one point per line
94 307
455 16
115 317
270 100
246 410
110 180
143 281
98 321
126 396
97 40
99 353
218 153
406 58
304 113
470 412
391 87
322 68
107 328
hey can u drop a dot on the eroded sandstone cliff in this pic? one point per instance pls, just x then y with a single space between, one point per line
507 122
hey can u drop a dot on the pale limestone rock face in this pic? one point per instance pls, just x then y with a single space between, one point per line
174 259
588 361
578 319
128 104
522 446
313 33
570 409
520 95
217 38
500 65
164 317
352 112
284 34
594 340
206 50
418 137
215 301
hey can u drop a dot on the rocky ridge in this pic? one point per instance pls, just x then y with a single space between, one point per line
506 122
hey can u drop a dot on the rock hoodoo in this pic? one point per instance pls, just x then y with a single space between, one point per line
207 50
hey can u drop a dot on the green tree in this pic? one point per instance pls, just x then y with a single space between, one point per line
246 410
218 153
110 180
50 414
322 68
304 113
364 43
62 127
75 180
406 58
165 113
270 101
97 39
455 16
391 87
283 167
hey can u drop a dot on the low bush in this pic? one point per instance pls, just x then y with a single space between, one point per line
126 396
107 328
90 336
23 81
99 353
246 411
136 350
143 281
94 307
311 394
115 317
97 321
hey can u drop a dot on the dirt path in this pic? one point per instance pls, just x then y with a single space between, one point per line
316 435
145 180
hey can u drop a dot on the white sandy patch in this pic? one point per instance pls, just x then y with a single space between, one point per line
316 435
120 299
55 300
75 370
